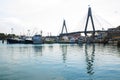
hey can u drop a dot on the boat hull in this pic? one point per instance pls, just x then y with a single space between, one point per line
14 41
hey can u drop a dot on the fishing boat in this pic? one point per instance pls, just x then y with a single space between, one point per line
37 39
28 40
20 40
14 40
72 40
80 40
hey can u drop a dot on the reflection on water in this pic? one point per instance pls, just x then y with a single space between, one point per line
38 49
90 59
59 62
64 52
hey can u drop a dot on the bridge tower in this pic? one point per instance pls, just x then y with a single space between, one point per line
89 16
64 26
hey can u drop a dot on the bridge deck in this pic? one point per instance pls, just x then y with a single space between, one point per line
82 32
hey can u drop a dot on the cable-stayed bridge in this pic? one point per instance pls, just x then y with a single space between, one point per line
86 32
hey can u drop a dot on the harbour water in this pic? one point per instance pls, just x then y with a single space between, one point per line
59 62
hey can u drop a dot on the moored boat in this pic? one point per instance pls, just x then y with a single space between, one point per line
37 39
72 40
14 41
81 40
28 41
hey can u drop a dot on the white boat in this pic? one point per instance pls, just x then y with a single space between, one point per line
37 39
80 40
72 40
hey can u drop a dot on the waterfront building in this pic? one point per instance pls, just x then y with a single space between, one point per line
114 36
114 33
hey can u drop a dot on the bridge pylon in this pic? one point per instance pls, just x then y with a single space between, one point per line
89 16
64 26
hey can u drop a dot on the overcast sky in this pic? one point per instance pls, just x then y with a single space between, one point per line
48 15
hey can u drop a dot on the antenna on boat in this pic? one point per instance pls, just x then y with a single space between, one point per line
28 32
11 30
41 32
